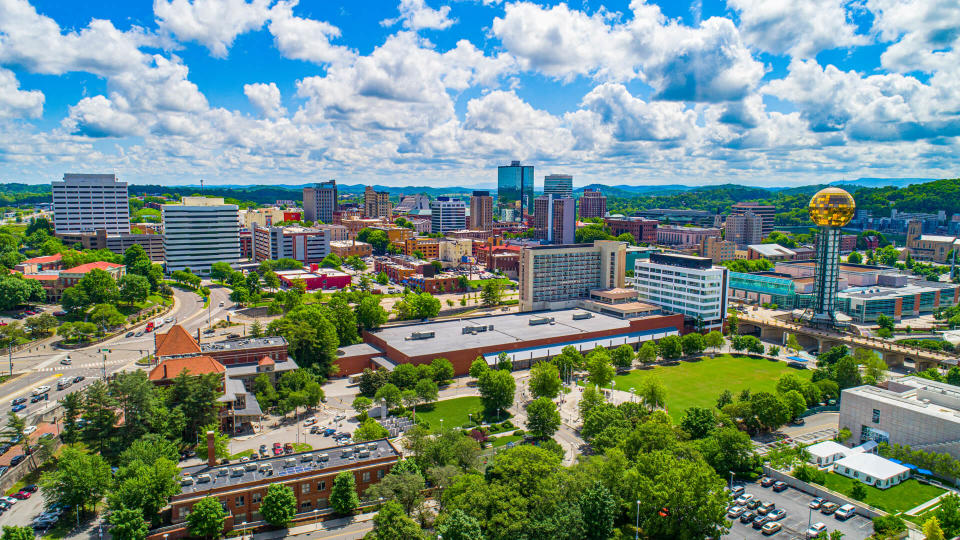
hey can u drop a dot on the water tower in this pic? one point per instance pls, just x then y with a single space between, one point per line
830 209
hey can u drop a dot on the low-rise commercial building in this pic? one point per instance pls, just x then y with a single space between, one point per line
642 229
684 237
718 250
427 248
54 281
770 252
315 278
348 248
118 243
307 245
872 470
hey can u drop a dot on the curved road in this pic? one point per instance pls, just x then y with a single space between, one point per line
41 366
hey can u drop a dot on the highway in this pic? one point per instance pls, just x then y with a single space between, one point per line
44 367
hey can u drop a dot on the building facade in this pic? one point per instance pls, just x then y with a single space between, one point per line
306 245
449 214
593 204
554 219
348 248
89 202
320 201
684 237
642 229
187 245
376 204
481 211
767 213
560 276
515 189
684 284
744 229
718 250
117 243
558 185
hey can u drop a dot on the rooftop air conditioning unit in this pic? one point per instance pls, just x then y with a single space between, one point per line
422 335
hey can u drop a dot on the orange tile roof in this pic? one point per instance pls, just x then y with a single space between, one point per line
42 277
45 259
194 365
98 265
175 342
266 361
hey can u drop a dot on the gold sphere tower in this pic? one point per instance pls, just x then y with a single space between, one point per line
831 208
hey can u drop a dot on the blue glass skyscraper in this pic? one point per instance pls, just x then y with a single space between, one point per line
515 188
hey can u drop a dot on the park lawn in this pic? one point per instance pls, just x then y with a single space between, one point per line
899 498
240 454
454 412
506 439
698 384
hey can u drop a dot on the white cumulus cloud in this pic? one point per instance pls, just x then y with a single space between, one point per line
17 103
417 15
212 23
266 98
800 28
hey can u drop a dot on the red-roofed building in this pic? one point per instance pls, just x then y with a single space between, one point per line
55 281
164 373
70 277
176 342
40 264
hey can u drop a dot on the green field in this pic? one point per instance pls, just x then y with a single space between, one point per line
899 498
506 439
454 412
698 384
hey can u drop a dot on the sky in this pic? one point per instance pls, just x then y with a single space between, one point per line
423 92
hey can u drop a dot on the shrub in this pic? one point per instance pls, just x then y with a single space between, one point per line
506 425
519 433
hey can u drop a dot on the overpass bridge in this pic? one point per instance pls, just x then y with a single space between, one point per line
894 354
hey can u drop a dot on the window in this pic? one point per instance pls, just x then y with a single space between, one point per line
305 488
380 474
238 502
366 476
305 505
876 416
256 497
321 485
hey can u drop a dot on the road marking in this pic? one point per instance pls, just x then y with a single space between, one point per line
52 359
41 382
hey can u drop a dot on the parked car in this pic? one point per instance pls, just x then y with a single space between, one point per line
339 417
816 503
754 504
18 408
759 521
60 313
263 449
310 421
777 514
779 486
766 481
221 304
66 362
771 528
747 517
29 429
4 469
130 334
816 529
845 512
766 508
736 512
209 331
828 508
139 333
736 491
78 378
22 495
288 448
744 499
18 401
328 432
8 500
32 488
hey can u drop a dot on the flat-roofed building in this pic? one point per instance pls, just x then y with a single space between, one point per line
199 232
684 284
684 237
376 204
554 219
481 211
320 201
770 252
559 276
642 229
767 213
348 248
87 202
447 214
718 250
744 229
558 185
593 204
307 245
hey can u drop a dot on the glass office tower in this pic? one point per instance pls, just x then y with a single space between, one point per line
515 188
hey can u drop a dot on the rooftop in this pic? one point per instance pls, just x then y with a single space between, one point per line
98 265
45 259
304 273
245 343
825 449
772 250
176 342
193 365
276 467
909 393
872 465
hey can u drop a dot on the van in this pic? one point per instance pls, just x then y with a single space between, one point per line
846 512
306 457
250 466
290 462
266 468
186 481
346 452
203 478
237 471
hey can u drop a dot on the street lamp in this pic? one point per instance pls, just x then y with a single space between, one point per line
731 480
636 532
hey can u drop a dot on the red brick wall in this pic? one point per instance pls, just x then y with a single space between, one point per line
354 364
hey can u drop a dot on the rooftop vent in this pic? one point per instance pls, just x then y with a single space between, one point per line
535 321
582 315
473 329
422 335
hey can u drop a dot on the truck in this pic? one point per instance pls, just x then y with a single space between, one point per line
149 327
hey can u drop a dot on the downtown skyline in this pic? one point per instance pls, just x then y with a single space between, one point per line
422 93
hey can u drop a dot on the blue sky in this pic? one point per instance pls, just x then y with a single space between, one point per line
422 92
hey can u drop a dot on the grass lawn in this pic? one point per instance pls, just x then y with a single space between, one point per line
301 447
898 498
454 412
243 453
698 384
501 441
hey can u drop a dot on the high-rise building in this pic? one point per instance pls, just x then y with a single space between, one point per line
481 211
199 232
410 203
554 219
558 185
767 213
376 204
830 209
307 245
560 276
448 214
90 202
320 201
684 284
642 229
515 188
592 204
744 229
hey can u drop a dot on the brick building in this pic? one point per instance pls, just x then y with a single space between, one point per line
642 229
592 204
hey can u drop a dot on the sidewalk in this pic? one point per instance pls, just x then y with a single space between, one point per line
331 525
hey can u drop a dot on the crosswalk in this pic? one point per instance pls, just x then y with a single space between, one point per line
83 366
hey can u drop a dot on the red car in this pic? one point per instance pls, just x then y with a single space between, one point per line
22 495
277 449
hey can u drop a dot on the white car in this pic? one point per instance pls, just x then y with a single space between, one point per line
8 500
310 421
66 361
29 429
816 529
41 390
744 499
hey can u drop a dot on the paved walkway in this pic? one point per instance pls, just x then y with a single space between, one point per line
323 529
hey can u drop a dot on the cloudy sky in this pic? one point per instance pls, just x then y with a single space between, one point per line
423 92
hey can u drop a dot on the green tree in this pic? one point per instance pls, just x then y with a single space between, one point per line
497 388
206 518
391 523
362 404
403 486
443 370
426 390
491 293
390 394
369 314
544 380
647 353
698 422
598 508
370 430
932 529
279 505
858 492
713 340
311 336
478 367
343 494
770 410
948 514
543 419
795 403
106 316
99 287
15 290
653 392
145 484
670 347
42 325
600 369
725 398
728 449
220 271
134 288
80 479
847 372
692 344
792 343
854 258
622 356
457 525
22 533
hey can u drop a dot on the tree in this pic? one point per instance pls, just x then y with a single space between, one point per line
725 398
770 411
220 271
15 290
390 523
622 356
145 482
544 380
792 343
698 422
343 494
647 353
134 288
41 325
948 514
733 324
279 505
600 370
858 492
670 347
713 340
370 430
598 508
885 321
240 295
543 419
443 370
478 367
847 372
504 363
106 316
874 368
382 278
497 388
854 258
795 403
390 394
404 485
26 533
362 404
79 479
491 292
417 306
932 530
207 518
728 449
99 287
457 525
653 392
332 260
692 344
426 390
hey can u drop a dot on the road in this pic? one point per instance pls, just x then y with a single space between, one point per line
43 365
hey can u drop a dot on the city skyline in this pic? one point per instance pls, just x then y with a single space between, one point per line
420 93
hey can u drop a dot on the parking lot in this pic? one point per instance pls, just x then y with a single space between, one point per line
795 502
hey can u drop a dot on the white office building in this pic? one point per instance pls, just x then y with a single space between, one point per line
558 185
448 214
90 202
199 232
307 245
684 284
